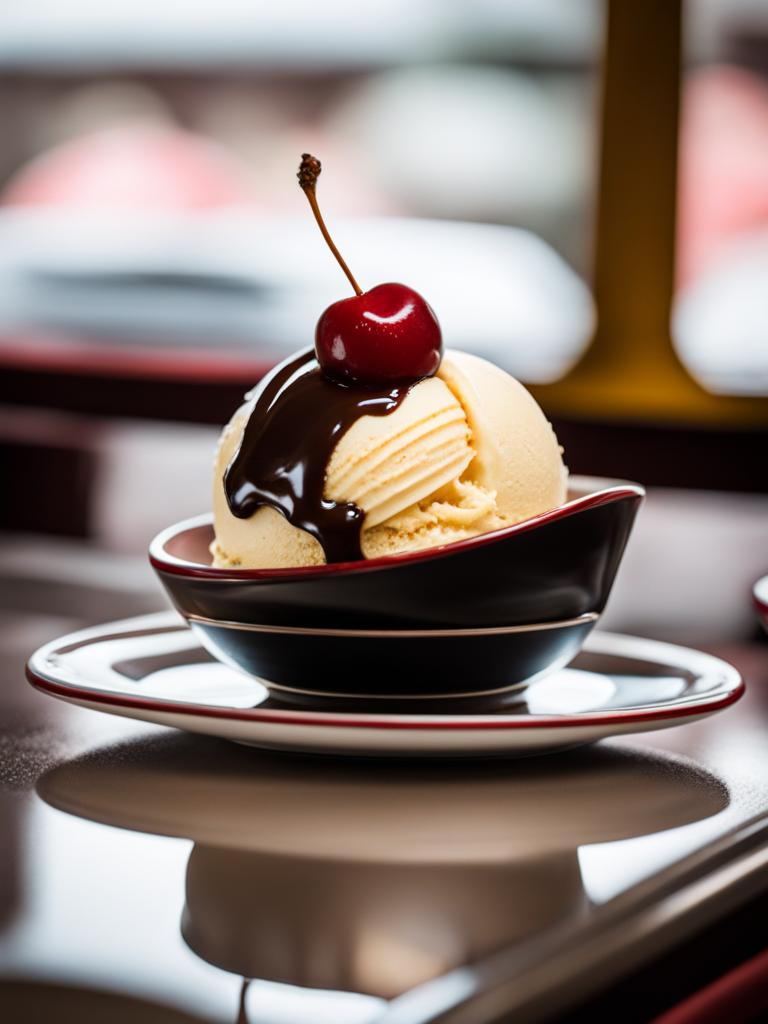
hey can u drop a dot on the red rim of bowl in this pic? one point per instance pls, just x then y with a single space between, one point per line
605 493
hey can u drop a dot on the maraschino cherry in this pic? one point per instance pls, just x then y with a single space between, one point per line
389 333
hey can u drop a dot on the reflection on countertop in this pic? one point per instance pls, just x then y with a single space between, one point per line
370 877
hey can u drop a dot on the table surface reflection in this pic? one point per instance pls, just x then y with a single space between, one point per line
146 870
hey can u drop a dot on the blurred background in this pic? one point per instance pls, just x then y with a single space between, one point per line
579 188
519 162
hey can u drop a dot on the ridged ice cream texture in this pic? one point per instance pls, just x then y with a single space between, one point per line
466 452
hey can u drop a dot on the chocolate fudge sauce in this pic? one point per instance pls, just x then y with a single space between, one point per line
296 419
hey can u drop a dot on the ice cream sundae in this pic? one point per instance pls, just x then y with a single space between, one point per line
376 441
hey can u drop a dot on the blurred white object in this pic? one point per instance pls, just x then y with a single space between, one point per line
720 322
293 33
234 277
299 32
480 143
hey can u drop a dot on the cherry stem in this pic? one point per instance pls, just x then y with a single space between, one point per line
309 172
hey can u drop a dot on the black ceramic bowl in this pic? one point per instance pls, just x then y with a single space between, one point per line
394 664
555 567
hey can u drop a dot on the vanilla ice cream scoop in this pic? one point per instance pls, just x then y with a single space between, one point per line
463 453
386 464
517 453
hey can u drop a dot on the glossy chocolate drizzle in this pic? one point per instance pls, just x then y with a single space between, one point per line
297 418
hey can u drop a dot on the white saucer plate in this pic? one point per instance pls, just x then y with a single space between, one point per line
152 668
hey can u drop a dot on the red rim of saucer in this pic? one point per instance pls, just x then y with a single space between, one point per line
608 492
41 681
